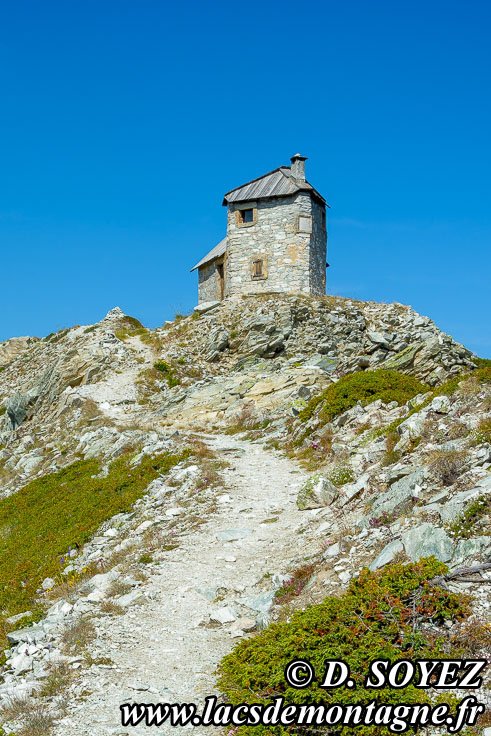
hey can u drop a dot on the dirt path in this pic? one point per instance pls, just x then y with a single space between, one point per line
163 647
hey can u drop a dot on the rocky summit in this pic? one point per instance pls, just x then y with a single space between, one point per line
168 495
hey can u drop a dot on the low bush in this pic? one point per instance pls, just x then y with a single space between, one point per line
169 371
130 327
364 386
465 526
340 475
294 586
383 615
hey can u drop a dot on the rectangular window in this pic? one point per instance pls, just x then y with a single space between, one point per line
246 217
257 269
323 219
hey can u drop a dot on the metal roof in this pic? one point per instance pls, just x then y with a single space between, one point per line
215 252
278 183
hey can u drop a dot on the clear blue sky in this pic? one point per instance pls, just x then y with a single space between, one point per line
123 123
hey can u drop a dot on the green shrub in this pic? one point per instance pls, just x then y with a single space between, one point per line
40 522
132 322
364 386
3 409
340 475
383 614
465 526
164 367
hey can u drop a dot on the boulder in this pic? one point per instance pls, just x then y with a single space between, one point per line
440 404
317 492
217 342
426 540
206 307
223 615
400 494
351 490
387 554
468 550
404 359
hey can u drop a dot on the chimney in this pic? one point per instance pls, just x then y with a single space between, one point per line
298 166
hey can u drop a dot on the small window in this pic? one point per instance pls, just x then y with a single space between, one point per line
257 270
246 215
323 219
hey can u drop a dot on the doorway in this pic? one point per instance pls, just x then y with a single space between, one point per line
221 280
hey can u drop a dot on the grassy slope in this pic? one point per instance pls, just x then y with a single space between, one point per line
39 523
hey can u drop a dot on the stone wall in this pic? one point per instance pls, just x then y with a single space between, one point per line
294 262
208 283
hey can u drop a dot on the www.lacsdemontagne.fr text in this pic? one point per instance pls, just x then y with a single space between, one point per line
397 718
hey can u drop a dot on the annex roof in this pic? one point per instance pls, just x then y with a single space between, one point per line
215 252
278 183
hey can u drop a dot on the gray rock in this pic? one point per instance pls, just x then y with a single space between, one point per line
48 583
378 338
351 490
217 342
223 615
130 599
12 620
317 492
387 554
397 472
400 494
412 426
206 307
328 365
19 406
28 635
404 359
332 550
470 549
426 540
440 404
245 623
260 603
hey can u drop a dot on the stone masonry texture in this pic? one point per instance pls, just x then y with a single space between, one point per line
294 260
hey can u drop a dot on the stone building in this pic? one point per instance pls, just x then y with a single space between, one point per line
276 239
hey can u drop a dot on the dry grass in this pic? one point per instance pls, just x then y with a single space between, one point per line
469 388
209 476
69 588
58 679
121 558
77 636
246 418
390 455
37 723
200 449
111 608
118 587
35 718
15 708
447 465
